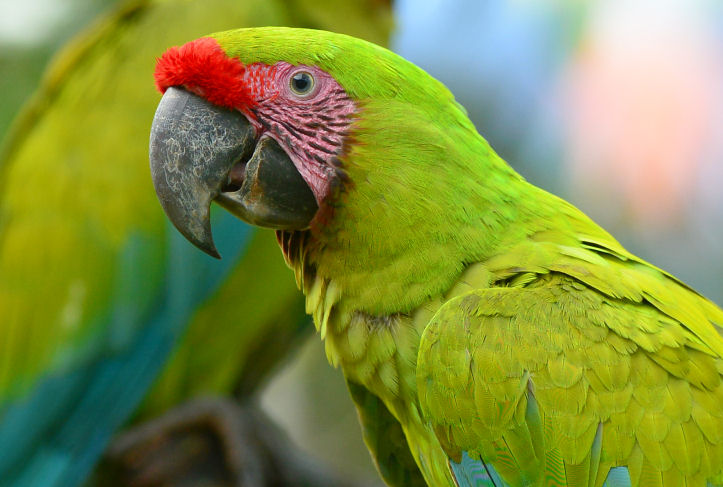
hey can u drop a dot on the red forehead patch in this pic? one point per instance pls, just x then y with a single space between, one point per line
202 67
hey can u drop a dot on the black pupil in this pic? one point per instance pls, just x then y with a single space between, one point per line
301 82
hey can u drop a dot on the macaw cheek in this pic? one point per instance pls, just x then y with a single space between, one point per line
273 194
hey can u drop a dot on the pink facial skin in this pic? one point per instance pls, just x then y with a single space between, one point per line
310 127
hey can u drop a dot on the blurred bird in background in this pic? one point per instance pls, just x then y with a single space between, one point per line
103 307
615 105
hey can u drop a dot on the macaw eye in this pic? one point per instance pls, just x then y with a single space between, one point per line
301 83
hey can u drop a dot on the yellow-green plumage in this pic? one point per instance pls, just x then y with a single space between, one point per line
508 334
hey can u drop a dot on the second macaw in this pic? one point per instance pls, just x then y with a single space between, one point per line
106 312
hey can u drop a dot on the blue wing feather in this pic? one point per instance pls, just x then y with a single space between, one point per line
618 477
475 473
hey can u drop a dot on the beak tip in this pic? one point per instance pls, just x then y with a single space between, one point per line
205 244
212 252
199 234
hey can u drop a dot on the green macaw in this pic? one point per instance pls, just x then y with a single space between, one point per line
511 340
105 310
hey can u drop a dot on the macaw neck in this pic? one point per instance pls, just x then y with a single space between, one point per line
399 236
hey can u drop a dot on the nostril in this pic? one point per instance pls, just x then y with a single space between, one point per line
235 178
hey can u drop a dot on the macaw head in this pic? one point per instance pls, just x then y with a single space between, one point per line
281 126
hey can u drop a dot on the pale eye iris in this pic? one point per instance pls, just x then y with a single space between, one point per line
302 83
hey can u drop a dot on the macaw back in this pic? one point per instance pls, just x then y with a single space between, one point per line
547 354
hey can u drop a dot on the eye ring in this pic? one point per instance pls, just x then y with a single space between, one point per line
302 83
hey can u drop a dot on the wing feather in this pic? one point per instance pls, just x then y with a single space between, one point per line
616 379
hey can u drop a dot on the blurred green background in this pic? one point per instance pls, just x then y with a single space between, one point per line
615 105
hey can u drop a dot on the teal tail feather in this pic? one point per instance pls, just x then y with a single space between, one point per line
54 436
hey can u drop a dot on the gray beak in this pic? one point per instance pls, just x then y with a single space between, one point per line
200 152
